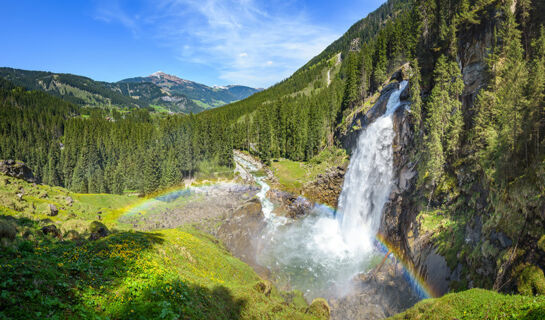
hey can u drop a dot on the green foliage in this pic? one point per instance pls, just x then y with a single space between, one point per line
501 108
416 99
98 155
127 275
319 308
541 243
444 121
530 280
292 175
477 304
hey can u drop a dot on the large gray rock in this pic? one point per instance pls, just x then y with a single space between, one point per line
98 230
474 46
378 294
53 211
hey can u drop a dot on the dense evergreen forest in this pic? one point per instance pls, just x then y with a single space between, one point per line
97 150
92 150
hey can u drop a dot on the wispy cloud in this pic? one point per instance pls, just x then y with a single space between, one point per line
247 41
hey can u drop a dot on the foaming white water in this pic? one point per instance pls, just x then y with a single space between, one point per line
321 253
368 181
267 206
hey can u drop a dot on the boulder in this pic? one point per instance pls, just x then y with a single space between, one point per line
72 235
53 211
8 230
319 308
51 230
69 201
98 230
377 294
16 169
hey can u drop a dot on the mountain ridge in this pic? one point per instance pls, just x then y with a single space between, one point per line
205 96
141 92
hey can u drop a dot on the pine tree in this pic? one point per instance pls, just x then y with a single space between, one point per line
443 124
500 108
416 99
54 176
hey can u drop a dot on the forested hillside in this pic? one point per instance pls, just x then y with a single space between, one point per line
95 150
476 72
103 150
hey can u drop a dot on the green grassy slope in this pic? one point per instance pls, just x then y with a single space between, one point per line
477 304
169 274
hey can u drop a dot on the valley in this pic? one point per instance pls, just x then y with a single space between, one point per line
397 175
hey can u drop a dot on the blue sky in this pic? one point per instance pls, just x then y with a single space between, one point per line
215 42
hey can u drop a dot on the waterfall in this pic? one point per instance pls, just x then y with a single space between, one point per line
368 181
321 253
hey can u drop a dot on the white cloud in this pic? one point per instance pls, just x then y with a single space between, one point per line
238 38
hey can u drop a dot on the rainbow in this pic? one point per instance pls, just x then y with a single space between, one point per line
419 284
167 195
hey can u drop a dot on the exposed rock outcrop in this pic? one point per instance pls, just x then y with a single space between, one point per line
327 187
16 169
380 293
241 232
474 45
349 137
289 205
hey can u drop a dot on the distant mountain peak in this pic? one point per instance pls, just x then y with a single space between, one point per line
205 96
168 77
158 74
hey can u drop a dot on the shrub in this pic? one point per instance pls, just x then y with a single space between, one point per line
530 280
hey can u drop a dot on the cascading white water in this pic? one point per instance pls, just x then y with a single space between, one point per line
368 181
322 252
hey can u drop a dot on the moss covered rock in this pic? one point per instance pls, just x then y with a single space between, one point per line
98 230
8 231
264 287
530 280
319 308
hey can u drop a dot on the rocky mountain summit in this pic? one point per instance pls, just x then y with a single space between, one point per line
205 96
